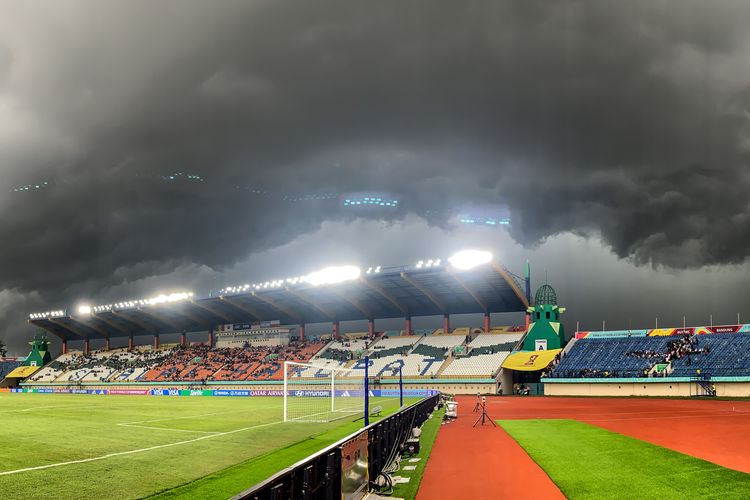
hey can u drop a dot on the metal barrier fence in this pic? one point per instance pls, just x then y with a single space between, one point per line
330 472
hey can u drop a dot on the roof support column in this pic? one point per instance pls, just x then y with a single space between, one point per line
408 325
65 346
156 341
107 345
131 344
528 320
371 328
86 345
302 331
486 322
336 333
446 324
183 339
211 337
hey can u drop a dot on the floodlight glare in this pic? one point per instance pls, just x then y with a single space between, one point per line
84 310
332 275
173 297
469 259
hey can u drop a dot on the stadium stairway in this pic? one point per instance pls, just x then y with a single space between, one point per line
444 366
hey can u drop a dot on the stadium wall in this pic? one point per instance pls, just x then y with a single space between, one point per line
453 386
644 387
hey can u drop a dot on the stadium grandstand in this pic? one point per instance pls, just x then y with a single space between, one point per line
251 340
705 360
243 335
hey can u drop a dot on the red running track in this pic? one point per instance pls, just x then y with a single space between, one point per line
481 462
717 431
486 463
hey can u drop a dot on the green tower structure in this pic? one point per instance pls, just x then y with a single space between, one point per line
545 331
39 355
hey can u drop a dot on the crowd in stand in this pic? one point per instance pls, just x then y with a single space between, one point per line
202 363
679 348
550 367
345 353
686 345
197 363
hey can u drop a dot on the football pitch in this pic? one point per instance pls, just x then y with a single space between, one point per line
89 446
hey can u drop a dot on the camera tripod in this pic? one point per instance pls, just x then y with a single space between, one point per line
478 406
484 417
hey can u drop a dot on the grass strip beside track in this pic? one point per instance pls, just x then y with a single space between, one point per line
587 462
232 480
408 491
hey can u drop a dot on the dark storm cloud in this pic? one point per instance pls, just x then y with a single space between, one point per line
621 119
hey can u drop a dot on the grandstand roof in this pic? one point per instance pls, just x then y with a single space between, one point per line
391 293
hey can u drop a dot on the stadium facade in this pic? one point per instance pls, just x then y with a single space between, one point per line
245 332
239 339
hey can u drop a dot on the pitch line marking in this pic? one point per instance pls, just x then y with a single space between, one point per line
167 429
178 418
34 408
131 452
141 450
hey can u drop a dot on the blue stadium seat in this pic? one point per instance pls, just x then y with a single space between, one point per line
717 355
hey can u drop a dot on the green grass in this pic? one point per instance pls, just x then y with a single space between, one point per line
40 429
587 462
408 491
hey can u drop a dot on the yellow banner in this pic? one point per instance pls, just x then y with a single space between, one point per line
530 361
23 371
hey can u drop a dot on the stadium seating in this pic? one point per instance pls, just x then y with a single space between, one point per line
8 366
345 350
719 355
428 355
487 343
438 346
715 354
486 353
389 346
485 365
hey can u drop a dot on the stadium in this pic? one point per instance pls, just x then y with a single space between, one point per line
248 403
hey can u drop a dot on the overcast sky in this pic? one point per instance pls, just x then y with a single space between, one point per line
616 134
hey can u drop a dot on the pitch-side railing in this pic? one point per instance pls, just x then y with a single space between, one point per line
324 475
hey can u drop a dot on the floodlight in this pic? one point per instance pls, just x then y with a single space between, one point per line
469 259
84 309
332 275
420 264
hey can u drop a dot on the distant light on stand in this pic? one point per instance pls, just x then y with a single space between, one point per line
332 275
469 259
